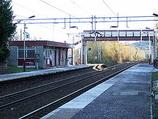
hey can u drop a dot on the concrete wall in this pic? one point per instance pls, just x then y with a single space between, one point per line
40 50
12 61
84 52
59 56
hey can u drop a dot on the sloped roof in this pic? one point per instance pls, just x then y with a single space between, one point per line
39 43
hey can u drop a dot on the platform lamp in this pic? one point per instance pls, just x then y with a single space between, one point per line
149 42
156 15
72 27
24 65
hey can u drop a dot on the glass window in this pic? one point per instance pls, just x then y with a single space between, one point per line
30 53
122 33
48 53
151 33
93 35
21 54
144 33
136 33
129 33
115 33
107 34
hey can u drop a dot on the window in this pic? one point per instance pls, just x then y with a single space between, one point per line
151 33
122 33
29 52
114 33
21 53
144 33
107 34
129 33
137 33
48 52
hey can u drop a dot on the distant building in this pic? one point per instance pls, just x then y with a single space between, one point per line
44 53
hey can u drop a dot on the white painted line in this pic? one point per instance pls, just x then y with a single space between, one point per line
84 99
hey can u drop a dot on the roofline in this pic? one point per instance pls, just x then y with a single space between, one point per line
39 43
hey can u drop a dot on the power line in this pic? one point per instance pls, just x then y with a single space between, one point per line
28 9
109 7
55 7
80 7
43 26
60 11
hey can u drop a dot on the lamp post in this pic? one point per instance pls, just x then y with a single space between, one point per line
24 65
149 46
149 43
73 39
155 14
155 48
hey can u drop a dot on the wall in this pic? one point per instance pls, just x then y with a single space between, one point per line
59 56
12 61
40 50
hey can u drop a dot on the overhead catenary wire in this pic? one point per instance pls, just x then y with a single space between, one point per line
70 16
28 9
109 8
55 7
80 7
57 30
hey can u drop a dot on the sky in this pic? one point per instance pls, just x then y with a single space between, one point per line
79 8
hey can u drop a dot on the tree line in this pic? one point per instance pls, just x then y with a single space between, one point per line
112 52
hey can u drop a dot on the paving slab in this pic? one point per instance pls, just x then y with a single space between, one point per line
125 96
127 99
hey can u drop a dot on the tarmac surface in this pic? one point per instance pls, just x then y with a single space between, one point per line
125 96
14 76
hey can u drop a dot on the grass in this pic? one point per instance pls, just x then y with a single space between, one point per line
17 69
154 76
155 104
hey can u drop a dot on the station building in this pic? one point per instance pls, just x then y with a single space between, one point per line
44 53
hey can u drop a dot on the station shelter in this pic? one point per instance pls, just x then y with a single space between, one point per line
46 54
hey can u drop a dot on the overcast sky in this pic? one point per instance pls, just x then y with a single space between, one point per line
80 8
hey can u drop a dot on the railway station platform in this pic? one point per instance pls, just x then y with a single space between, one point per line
125 96
14 76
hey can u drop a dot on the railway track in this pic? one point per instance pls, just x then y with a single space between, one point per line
37 101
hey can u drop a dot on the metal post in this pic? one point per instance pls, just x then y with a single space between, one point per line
72 50
118 38
95 29
150 57
24 65
156 43
141 35
117 19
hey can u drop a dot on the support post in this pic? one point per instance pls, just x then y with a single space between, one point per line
84 52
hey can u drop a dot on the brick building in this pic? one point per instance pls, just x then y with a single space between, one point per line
44 53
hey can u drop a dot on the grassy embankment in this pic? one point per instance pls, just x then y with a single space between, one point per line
155 102
17 69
